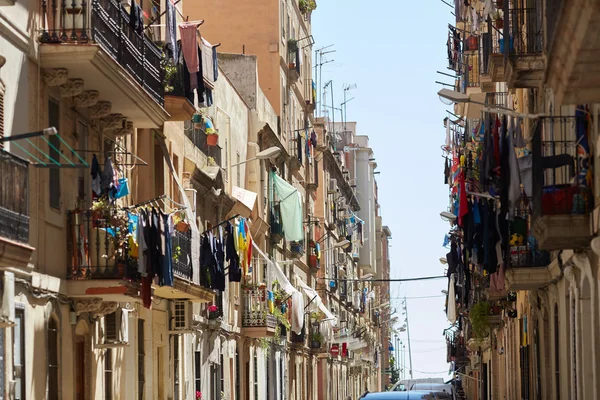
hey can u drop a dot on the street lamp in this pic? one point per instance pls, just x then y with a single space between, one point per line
457 97
271 152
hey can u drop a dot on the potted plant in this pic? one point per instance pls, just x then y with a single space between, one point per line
307 6
498 20
292 46
316 339
512 297
197 121
198 395
478 317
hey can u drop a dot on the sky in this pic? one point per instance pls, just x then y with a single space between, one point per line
391 50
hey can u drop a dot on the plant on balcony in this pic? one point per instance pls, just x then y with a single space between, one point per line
479 321
307 6
279 295
198 395
498 18
211 162
114 220
292 46
316 340
170 72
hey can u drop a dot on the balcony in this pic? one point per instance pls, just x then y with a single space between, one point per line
98 250
298 340
257 321
562 178
297 152
528 267
499 99
572 32
95 44
179 102
495 56
276 225
213 153
523 47
297 249
294 66
14 211
312 177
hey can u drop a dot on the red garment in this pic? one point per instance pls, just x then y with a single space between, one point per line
463 207
147 291
189 47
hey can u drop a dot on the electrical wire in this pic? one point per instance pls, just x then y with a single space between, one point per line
422 278
418 297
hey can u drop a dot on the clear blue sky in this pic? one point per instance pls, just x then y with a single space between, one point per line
392 49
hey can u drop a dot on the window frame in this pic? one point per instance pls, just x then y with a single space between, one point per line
19 315
141 350
108 374
53 374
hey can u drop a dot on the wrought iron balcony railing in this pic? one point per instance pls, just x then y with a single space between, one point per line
199 138
524 30
256 312
106 23
14 197
97 248
182 254
562 167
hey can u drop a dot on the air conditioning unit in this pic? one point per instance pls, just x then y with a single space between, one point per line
7 310
181 317
113 329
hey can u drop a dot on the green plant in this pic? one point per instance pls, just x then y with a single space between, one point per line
263 343
307 6
316 337
176 253
479 321
170 72
292 45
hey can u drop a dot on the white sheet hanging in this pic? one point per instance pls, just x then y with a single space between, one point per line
312 294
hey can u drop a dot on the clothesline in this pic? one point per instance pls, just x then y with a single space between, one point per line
220 224
162 197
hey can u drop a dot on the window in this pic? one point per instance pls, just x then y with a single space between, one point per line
174 187
108 374
198 371
19 354
238 169
1 113
141 360
176 366
255 361
281 380
282 20
238 392
221 376
54 153
53 359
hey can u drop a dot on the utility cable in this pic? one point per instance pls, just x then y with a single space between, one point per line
422 278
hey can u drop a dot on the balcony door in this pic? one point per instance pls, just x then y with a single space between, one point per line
80 383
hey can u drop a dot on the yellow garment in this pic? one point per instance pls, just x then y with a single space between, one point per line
133 247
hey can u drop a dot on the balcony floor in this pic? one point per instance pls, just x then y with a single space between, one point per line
575 55
562 232
102 73
525 71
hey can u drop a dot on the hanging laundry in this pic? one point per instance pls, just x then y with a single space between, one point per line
291 208
235 272
189 48
96 179
136 21
215 63
218 278
171 31
167 256
109 178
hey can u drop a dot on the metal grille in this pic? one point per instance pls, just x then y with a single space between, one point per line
256 311
110 327
14 199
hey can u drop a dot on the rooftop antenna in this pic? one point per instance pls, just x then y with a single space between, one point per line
319 53
347 88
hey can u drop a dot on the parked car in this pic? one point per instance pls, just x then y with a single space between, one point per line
412 395
441 390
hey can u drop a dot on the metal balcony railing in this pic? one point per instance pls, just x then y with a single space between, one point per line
198 137
499 99
14 197
562 167
182 254
276 224
106 23
178 85
256 311
470 70
524 29
97 249
297 249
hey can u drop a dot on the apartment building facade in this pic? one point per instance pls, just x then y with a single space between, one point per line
525 328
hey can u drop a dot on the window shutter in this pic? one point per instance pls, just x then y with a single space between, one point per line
1 117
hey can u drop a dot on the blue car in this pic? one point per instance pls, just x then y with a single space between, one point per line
412 395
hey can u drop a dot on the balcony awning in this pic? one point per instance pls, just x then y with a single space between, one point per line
286 286
316 299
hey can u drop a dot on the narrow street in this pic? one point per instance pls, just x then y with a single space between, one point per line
197 200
